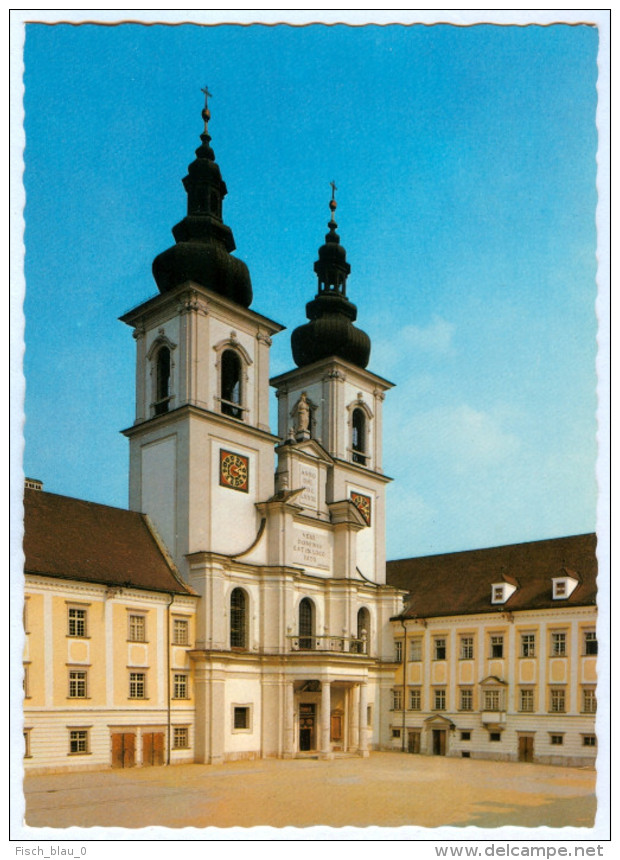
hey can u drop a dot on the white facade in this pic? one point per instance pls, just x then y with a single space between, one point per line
301 664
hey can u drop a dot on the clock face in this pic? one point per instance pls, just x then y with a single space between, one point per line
234 471
363 504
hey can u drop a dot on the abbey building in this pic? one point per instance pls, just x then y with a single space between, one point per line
241 607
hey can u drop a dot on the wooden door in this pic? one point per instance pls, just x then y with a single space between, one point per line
526 748
123 749
336 726
152 749
306 727
439 742
413 742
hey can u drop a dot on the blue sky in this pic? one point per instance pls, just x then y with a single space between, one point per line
465 160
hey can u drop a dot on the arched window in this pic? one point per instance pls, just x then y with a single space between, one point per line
231 384
358 436
306 625
238 619
363 630
162 383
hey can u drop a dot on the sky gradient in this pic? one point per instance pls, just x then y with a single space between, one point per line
465 160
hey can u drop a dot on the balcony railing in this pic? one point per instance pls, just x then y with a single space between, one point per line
333 644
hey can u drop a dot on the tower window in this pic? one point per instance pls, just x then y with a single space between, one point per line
162 385
358 438
363 629
306 625
238 619
231 384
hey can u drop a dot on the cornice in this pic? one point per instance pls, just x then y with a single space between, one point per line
201 413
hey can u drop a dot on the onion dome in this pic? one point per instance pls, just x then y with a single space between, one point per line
330 331
203 242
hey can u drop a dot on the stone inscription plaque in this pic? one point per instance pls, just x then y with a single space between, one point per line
309 480
311 548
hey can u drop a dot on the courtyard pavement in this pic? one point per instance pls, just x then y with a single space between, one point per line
387 789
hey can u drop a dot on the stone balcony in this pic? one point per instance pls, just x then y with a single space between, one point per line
330 644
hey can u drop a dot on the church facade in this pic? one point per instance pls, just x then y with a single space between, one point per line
245 611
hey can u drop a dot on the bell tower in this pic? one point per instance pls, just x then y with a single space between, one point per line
333 401
201 451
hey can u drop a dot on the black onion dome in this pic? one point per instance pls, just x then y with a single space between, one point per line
202 252
330 331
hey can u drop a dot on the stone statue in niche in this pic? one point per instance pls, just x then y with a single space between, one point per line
302 418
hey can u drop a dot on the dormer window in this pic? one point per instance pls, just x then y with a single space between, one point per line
563 587
501 591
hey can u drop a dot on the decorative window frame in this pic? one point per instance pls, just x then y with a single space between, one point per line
136 613
160 341
83 670
138 670
183 746
360 403
185 620
249 708
180 683
81 607
232 343
82 730
248 616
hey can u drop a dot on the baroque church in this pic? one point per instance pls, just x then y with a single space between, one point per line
240 607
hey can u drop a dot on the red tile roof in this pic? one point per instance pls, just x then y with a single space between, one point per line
459 583
74 539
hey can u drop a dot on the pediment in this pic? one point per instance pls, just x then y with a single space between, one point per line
311 449
439 721
492 681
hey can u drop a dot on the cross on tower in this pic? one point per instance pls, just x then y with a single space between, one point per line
208 96
334 189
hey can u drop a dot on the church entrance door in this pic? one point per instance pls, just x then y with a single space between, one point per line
307 727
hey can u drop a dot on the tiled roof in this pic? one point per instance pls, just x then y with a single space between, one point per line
74 539
459 583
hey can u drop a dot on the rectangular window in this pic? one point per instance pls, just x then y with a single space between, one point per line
180 631
180 738
590 643
27 753
557 703
465 736
492 700
589 740
78 742
397 700
137 628
526 701
497 647
369 715
440 648
557 740
77 621
26 681
241 718
415 699
395 733
137 685
467 648
77 684
558 644
495 736
528 645
467 699
180 686
440 700
398 657
589 701
415 649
